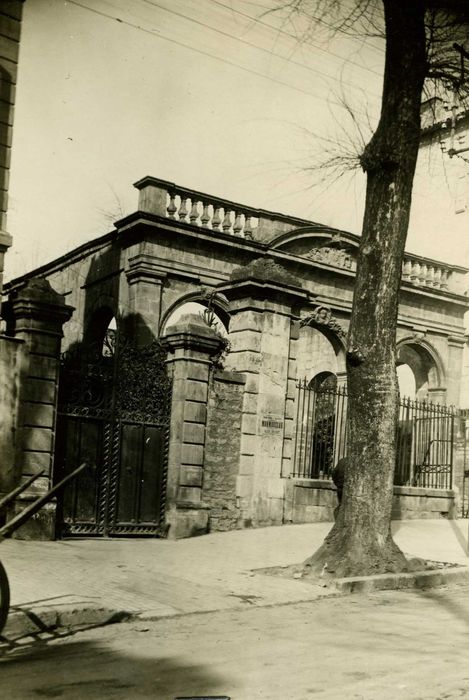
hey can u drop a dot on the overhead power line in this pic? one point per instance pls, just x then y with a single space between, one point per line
247 43
279 30
157 34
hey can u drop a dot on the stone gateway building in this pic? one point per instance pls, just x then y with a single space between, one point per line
195 357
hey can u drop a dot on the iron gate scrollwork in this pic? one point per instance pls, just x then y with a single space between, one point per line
114 411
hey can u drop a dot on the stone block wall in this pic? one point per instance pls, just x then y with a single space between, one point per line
222 449
410 502
309 500
314 500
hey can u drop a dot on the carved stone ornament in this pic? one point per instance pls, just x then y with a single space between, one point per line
419 334
322 316
337 257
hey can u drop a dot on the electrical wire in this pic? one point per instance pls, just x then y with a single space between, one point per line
156 33
248 43
278 30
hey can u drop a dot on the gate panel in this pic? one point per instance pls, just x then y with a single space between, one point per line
114 412
151 482
141 464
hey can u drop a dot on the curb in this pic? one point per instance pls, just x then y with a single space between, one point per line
417 579
29 622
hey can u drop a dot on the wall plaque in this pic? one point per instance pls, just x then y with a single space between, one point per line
271 424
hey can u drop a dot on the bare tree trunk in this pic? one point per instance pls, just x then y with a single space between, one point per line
360 541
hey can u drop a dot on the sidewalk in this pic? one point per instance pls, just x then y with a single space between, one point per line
88 581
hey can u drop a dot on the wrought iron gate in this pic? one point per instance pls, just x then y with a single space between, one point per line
114 410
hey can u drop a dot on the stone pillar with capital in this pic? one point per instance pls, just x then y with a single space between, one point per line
192 345
36 314
264 307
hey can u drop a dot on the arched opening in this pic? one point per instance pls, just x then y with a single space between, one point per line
100 328
406 381
320 359
212 314
423 365
422 430
323 418
323 380
109 341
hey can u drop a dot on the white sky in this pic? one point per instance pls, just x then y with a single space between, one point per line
200 94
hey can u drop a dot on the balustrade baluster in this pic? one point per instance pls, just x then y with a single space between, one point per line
414 275
423 273
226 225
430 276
437 278
238 224
205 218
216 221
247 227
406 270
183 209
172 208
444 278
194 215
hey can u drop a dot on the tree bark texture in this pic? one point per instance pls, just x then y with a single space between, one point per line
360 541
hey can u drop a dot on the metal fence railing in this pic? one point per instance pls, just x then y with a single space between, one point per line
425 437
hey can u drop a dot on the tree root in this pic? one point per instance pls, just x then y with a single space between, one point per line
349 556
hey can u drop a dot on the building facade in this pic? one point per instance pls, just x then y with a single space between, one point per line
202 371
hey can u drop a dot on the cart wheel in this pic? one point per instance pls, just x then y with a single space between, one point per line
4 597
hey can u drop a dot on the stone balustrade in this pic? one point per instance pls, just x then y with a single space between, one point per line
219 215
427 273
197 208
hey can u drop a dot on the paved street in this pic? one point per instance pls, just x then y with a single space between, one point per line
209 623
379 647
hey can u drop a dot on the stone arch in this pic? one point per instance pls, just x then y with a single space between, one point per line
426 365
195 302
323 234
320 352
323 380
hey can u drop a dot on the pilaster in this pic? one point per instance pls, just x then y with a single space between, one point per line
456 344
145 281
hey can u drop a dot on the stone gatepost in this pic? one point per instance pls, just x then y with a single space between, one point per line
37 313
191 346
264 304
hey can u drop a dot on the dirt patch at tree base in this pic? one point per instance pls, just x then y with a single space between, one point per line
421 573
